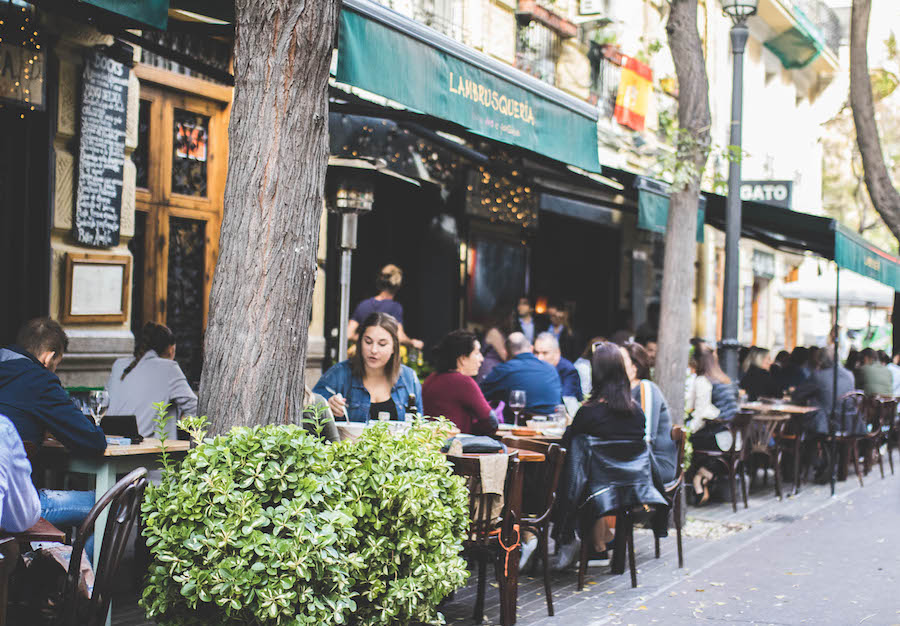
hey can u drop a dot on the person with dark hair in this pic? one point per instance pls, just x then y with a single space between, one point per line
873 376
33 399
781 361
524 371
546 348
658 429
712 395
558 326
611 414
797 370
757 381
525 321
583 365
151 376
373 381
818 391
451 391
493 352
387 284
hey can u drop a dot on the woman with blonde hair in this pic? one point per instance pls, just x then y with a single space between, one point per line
388 283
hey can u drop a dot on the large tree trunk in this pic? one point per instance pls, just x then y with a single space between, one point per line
255 351
885 197
681 247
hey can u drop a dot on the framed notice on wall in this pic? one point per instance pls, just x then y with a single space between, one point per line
96 288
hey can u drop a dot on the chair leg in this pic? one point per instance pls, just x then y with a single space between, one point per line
582 561
630 539
731 483
656 546
545 555
797 450
777 464
678 497
890 452
743 486
854 449
880 458
478 615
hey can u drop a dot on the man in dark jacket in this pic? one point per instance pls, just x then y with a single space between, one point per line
32 397
819 391
523 371
546 348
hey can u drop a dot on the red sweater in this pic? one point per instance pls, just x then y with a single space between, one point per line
458 398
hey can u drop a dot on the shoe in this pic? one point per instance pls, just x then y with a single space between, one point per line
527 550
599 559
567 555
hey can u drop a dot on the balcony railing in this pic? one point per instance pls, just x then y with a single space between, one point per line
444 16
824 19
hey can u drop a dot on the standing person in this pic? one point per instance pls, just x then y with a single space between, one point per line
712 395
388 283
658 431
757 381
373 381
895 373
451 391
524 320
20 507
151 376
524 371
494 352
546 348
583 365
33 399
559 327
873 377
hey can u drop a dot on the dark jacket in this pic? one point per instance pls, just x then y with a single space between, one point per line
818 391
602 476
540 325
537 379
758 383
32 397
569 379
725 398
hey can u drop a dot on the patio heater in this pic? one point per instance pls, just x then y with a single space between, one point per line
353 195
738 11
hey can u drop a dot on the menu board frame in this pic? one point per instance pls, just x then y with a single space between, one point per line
80 286
101 153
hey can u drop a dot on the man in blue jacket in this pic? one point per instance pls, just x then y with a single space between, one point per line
546 348
33 399
524 371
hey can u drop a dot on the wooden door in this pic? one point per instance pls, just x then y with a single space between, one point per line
181 163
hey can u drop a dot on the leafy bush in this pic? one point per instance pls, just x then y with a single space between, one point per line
269 525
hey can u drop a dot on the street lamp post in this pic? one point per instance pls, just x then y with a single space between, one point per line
738 11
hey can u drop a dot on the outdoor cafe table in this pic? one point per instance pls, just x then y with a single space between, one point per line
793 412
116 460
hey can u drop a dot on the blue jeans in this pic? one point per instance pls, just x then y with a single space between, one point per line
68 508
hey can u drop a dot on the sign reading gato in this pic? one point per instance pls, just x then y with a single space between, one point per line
774 192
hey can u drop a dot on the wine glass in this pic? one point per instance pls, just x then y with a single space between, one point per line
516 403
98 403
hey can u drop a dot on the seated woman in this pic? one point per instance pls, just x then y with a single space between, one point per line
373 381
494 352
658 434
451 391
757 381
609 413
712 395
151 376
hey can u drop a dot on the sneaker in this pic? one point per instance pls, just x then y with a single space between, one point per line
598 559
527 550
568 553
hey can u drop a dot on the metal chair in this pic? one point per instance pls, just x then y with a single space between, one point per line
673 491
733 459
124 500
539 523
488 538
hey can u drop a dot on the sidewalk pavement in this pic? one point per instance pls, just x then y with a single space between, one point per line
807 559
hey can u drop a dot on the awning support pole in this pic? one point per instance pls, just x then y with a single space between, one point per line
834 394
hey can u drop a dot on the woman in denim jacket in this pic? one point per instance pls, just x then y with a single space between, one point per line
373 381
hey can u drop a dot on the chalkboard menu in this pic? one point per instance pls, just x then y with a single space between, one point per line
101 154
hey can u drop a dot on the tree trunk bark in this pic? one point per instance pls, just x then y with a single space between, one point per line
884 195
255 353
681 247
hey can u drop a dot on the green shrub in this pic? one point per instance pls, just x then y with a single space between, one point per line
269 525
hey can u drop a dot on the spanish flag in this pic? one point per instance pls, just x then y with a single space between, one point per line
635 86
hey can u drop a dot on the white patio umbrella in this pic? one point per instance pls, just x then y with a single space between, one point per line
855 290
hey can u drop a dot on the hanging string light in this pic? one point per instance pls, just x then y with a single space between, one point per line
20 36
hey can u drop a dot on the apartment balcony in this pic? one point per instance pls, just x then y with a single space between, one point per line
808 33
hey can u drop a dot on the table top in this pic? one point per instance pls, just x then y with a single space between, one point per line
525 456
779 407
147 446
41 531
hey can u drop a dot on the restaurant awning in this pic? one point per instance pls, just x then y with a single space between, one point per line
436 75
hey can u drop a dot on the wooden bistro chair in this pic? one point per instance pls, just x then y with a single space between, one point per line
673 491
734 459
9 556
852 407
489 538
539 522
765 442
124 500
876 420
892 427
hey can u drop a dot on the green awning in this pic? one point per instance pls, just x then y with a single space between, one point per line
854 253
798 46
392 56
653 207
153 13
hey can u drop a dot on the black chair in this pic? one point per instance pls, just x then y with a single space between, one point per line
493 539
849 432
539 522
673 491
124 502
733 459
621 470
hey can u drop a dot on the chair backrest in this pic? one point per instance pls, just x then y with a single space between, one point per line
482 522
679 436
124 502
851 408
739 425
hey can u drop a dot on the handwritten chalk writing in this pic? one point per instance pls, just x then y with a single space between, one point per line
101 156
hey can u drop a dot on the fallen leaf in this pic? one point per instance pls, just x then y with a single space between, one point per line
699 590
717 584
642 608
780 597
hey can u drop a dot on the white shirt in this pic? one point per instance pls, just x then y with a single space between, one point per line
20 507
153 379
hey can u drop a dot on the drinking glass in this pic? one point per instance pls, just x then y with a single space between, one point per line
516 403
98 403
